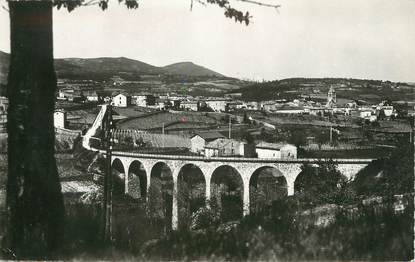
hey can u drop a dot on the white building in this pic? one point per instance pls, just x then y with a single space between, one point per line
365 113
140 100
92 96
121 100
277 151
59 118
199 140
331 97
217 105
387 110
190 105
144 100
225 147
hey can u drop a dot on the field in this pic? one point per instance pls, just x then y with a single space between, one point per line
156 121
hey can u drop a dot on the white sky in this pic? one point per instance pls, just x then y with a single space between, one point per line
308 38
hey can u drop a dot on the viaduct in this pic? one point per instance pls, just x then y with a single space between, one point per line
245 167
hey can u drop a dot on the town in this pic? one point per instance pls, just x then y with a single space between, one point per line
264 137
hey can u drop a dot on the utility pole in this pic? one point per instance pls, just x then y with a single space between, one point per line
331 135
107 214
230 126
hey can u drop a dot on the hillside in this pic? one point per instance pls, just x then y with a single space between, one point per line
106 67
371 91
190 69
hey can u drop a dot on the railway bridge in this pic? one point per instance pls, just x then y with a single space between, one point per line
147 166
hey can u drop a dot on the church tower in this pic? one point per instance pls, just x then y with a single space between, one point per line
331 97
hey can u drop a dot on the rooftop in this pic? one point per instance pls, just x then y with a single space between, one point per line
209 135
222 142
275 146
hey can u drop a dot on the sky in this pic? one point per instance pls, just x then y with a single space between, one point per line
371 39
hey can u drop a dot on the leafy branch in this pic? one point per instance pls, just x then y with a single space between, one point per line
230 11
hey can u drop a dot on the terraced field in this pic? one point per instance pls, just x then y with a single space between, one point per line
156 121
154 140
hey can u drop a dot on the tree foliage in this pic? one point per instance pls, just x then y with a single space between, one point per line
388 176
230 12
323 184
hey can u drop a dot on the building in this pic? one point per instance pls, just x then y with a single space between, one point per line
236 105
365 113
217 105
75 96
331 97
59 118
189 105
4 104
91 96
144 100
199 140
121 100
276 150
225 147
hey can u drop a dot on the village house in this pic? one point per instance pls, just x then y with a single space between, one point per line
217 105
366 113
4 104
276 150
225 147
162 104
252 105
59 118
66 93
144 100
92 96
76 96
189 105
121 100
236 105
199 140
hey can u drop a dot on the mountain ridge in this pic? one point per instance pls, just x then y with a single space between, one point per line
106 67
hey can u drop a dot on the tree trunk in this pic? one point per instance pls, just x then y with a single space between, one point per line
34 198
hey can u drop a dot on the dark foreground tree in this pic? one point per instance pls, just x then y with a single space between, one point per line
34 199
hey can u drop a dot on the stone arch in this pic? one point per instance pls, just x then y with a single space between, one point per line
136 182
191 190
118 176
160 195
227 192
266 184
304 178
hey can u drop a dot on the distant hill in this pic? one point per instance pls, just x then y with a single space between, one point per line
106 67
372 91
103 67
190 69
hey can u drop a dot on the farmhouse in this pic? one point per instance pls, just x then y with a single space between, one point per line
217 105
59 118
225 147
92 96
144 100
121 100
199 140
190 105
277 151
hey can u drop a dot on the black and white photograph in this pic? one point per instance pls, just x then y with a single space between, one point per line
207 130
